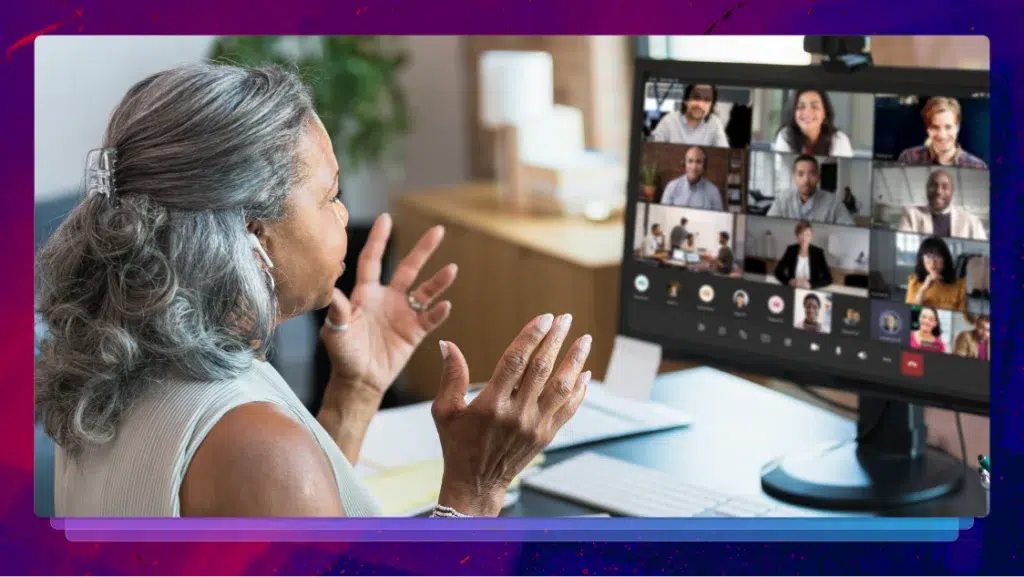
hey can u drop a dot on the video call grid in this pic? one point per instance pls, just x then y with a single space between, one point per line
876 160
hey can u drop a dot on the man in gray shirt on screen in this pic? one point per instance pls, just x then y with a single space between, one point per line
696 123
692 190
808 202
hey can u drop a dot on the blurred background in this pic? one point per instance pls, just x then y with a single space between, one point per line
407 123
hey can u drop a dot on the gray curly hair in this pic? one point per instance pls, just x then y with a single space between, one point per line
158 280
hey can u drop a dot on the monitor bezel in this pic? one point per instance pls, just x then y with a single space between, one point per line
882 80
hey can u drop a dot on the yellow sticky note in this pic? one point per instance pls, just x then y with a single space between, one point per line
413 490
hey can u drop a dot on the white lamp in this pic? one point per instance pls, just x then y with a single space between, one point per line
515 88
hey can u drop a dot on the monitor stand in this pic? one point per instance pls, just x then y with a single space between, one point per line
889 465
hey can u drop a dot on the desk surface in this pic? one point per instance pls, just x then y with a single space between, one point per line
738 427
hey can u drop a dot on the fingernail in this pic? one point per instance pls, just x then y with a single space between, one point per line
564 322
585 378
587 339
444 349
545 322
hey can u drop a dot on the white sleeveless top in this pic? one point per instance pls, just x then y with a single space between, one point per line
139 473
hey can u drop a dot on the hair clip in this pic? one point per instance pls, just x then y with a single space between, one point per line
99 171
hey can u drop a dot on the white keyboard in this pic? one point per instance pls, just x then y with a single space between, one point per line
621 488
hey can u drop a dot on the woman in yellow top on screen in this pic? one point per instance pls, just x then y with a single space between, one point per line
934 282
942 117
810 127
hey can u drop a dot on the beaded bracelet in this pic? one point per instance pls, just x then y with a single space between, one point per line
443 511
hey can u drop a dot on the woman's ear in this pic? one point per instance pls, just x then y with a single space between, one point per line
256 228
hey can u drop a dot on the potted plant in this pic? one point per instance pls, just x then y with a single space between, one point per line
354 80
648 181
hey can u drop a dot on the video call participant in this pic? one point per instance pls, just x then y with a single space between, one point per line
942 117
740 300
678 235
809 127
692 190
926 337
803 265
934 282
812 313
725 259
690 244
807 201
653 243
697 123
974 343
939 217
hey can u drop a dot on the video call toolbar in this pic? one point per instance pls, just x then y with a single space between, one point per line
853 215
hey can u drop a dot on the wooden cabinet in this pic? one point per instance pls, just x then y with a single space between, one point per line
511 269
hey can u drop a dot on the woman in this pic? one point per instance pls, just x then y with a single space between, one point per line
812 310
926 337
934 282
810 127
214 214
942 117
803 265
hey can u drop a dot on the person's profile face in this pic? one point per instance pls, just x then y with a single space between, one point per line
694 164
810 112
698 106
805 176
805 237
940 191
943 130
982 328
811 308
927 321
308 246
933 262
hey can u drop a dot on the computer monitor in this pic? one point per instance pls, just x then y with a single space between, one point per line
859 237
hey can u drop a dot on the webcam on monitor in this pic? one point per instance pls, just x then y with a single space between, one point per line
840 53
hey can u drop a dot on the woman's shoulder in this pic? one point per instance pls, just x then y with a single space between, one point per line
841 145
781 143
259 461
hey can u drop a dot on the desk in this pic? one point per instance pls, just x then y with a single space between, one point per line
738 427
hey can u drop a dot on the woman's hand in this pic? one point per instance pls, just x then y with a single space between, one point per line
488 442
933 278
384 328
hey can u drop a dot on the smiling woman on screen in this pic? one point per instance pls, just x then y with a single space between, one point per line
809 127
214 213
